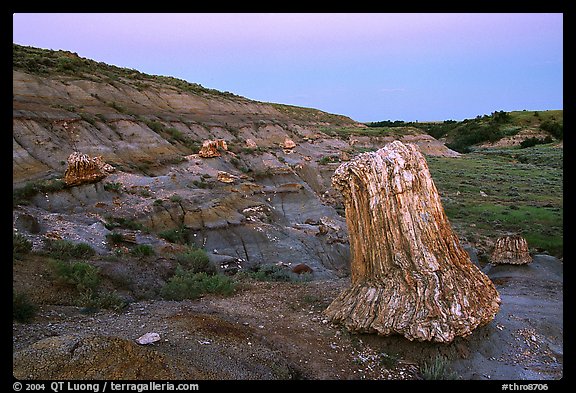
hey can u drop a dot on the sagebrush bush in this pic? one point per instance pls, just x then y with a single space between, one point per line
64 249
175 235
115 237
20 245
186 284
96 300
142 250
197 261
79 275
113 186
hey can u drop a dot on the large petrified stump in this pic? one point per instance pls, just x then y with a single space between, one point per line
410 275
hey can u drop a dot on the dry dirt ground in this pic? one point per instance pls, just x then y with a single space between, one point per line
276 330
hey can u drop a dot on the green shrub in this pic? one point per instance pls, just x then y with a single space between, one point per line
554 128
202 184
142 250
122 222
529 142
176 198
115 237
64 249
327 159
94 300
155 125
186 284
81 276
20 245
177 235
114 187
197 261
23 310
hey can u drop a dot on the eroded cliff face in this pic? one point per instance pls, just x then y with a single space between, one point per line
410 275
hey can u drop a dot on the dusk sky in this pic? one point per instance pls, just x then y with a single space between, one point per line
369 67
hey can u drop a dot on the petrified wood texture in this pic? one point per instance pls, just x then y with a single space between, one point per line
511 249
410 275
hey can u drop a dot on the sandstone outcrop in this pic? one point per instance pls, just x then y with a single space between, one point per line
83 169
511 249
210 148
410 276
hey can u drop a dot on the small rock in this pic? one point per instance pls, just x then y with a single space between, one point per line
302 268
148 338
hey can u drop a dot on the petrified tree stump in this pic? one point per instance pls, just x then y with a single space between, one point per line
511 249
410 275
83 169
210 148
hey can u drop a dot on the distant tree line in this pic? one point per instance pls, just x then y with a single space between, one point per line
462 135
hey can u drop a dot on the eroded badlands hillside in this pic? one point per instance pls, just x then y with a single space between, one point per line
276 205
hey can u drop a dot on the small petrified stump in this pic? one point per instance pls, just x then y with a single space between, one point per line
511 249
410 275
210 148
83 169
289 144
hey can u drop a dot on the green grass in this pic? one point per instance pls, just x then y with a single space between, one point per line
523 193
64 249
528 118
22 195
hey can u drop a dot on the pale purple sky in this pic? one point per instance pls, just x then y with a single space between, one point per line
370 67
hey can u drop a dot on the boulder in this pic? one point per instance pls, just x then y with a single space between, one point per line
302 268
